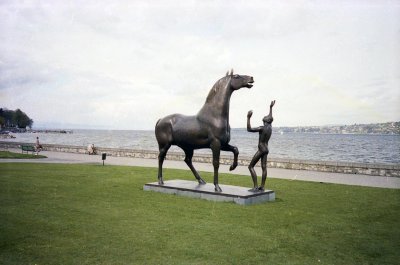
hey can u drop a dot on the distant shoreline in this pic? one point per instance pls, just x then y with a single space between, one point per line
50 131
19 130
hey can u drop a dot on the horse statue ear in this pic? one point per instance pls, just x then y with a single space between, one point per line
231 72
227 73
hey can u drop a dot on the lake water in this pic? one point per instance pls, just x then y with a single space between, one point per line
324 147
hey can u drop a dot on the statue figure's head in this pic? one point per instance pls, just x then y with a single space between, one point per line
268 119
239 81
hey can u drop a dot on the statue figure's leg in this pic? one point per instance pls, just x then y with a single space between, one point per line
216 150
188 161
161 157
253 174
235 152
264 170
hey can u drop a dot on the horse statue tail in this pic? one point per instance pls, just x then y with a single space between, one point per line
164 138
157 130
163 131
158 122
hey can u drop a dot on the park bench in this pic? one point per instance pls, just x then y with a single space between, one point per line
28 148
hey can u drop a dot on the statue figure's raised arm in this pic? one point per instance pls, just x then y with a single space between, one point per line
249 129
270 107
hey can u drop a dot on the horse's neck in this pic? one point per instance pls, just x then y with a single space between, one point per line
217 107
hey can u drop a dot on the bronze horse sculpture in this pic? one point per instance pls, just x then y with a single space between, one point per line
208 129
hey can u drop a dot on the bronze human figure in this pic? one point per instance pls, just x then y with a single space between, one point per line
264 136
208 129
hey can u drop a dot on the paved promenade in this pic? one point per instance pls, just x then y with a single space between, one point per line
347 179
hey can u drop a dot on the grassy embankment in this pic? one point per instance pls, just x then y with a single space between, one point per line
89 214
12 155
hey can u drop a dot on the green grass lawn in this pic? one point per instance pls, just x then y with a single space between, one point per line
90 214
12 155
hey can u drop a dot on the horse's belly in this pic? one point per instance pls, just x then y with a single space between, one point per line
189 133
192 139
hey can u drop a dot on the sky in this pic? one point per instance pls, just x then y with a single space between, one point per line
125 64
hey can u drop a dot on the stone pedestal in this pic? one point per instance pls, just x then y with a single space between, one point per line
239 195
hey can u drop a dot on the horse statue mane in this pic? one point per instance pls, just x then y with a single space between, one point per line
221 83
208 129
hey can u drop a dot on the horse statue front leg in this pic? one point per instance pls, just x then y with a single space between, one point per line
235 152
216 150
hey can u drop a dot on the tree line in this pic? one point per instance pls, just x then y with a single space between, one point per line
14 119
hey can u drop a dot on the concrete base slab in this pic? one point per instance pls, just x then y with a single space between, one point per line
239 195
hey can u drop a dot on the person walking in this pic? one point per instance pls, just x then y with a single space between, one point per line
38 146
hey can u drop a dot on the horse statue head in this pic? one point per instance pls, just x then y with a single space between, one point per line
229 83
239 81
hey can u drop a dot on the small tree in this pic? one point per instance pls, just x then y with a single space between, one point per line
21 119
8 117
17 118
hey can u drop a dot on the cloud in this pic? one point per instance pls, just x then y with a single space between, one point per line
127 63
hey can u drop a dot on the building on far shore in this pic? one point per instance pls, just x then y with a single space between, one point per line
376 128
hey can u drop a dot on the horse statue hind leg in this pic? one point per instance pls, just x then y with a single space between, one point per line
165 129
164 136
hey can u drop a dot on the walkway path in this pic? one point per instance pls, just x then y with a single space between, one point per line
348 179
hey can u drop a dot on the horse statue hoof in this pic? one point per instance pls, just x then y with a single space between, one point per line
217 188
232 167
201 181
160 182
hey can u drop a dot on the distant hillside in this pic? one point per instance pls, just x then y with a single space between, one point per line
375 128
